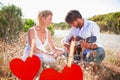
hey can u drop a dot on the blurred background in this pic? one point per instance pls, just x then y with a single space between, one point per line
17 16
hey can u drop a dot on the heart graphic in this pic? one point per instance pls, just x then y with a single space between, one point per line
50 74
25 70
68 73
72 73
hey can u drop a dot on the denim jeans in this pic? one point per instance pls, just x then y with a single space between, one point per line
100 54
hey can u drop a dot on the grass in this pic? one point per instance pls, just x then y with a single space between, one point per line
113 56
15 50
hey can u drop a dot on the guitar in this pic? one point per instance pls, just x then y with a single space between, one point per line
78 50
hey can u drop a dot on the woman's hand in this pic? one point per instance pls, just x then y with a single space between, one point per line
38 51
57 53
67 47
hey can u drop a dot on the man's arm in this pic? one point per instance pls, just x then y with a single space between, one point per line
66 41
95 31
88 45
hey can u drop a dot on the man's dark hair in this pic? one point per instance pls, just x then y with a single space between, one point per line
72 16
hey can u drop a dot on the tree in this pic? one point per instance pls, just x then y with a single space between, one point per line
10 22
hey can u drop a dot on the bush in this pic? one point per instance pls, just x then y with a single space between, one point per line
108 22
28 23
51 29
103 26
10 22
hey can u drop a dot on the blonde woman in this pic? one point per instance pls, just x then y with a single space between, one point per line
42 38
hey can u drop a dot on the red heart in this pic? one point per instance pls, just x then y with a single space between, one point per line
50 74
73 73
25 70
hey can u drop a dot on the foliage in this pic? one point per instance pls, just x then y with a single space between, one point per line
103 26
10 22
27 24
51 29
61 25
108 22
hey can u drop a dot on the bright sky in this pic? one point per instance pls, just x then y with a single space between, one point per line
88 8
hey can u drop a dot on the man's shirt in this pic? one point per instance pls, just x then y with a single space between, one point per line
89 28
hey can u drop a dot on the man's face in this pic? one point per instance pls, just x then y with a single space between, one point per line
76 24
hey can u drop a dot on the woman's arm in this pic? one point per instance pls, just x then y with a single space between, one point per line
31 36
56 50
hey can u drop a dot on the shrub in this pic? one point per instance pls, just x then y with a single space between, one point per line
10 22
28 23
51 29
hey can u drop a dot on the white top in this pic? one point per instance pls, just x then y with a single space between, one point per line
45 58
38 42
89 28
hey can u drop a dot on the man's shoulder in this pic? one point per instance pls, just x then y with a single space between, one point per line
93 25
89 23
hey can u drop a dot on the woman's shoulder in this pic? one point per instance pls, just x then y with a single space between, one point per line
31 29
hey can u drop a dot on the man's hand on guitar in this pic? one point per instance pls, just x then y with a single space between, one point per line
85 44
88 45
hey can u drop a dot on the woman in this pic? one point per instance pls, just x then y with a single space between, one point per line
42 38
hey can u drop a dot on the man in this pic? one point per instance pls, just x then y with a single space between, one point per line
84 28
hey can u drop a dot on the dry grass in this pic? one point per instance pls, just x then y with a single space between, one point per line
113 56
15 50
8 52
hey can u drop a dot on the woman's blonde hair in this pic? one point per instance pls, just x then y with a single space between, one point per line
43 14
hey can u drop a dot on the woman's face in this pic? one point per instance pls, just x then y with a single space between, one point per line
47 21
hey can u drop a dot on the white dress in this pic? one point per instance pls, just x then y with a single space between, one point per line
42 56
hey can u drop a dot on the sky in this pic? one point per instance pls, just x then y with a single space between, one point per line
60 8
